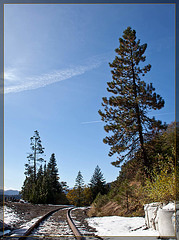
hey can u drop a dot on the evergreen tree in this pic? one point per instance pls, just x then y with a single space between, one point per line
28 183
125 112
40 174
39 190
52 171
45 168
54 187
45 185
37 150
42 184
97 183
124 194
79 186
29 190
26 190
64 186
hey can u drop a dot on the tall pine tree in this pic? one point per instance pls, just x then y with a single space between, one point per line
97 183
125 111
35 155
42 183
54 187
29 189
79 186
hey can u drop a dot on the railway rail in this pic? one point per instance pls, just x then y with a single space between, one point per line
61 222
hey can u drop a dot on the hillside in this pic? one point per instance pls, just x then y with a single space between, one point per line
11 192
132 189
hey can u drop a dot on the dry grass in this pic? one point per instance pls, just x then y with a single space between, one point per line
114 209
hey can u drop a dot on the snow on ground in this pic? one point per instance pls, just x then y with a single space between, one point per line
120 226
10 217
20 231
105 226
48 227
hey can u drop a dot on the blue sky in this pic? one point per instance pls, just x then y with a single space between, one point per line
56 68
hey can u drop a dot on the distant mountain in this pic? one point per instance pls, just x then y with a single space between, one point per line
11 192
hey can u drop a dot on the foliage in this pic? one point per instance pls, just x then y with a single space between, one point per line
41 184
82 195
162 144
131 190
79 186
29 189
125 112
100 200
88 196
79 181
97 183
33 157
85 196
54 187
64 186
76 196
72 197
124 193
162 186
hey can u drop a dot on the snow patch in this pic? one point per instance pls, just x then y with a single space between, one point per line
20 231
46 228
121 226
10 217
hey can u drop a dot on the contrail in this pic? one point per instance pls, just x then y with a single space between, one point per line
15 82
160 114
91 122
102 121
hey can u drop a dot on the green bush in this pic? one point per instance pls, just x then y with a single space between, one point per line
100 200
161 186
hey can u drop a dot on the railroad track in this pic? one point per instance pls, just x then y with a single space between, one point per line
57 224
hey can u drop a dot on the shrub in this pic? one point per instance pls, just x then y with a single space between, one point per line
100 200
161 186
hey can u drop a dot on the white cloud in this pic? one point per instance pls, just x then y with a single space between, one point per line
10 74
15 82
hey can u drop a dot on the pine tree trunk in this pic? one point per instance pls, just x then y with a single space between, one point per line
146 164
141 139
